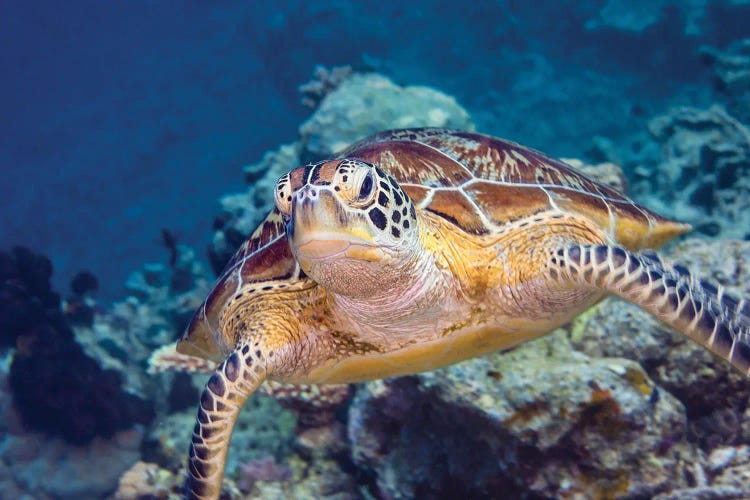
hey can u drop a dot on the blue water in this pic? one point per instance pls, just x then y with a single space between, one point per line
123 118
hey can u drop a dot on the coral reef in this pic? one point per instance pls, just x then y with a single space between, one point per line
36 465
324 81
162 300
367 103
50 373
702 177
590 427
732 76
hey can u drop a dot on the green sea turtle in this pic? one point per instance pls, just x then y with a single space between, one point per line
419 248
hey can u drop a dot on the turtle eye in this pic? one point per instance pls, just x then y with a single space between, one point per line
355 183
282 194
366 189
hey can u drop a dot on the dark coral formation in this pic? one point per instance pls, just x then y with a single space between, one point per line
732 76
57 389
702 176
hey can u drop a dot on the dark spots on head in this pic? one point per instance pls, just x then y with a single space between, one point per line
245 349
258 354
670 282
232 367
659 290
308 168
378 218
385 186
216 384
406 224
404 211
393 184
398 199
682 292
395 232
412 212
380 172
315 174
383 200
396 217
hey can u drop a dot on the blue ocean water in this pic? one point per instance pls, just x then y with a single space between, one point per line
120 120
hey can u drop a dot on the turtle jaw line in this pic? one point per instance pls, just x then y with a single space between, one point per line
321 247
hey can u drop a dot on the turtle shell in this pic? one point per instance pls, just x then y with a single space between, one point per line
263 259
477 182
480 183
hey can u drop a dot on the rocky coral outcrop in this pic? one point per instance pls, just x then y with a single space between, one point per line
162 299
364 104
540 421
732 76
703 176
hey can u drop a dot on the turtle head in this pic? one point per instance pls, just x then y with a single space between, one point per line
349 224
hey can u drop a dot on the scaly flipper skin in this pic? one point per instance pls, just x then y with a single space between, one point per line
221 401
699 309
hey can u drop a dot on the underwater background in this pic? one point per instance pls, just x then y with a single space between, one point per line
139 144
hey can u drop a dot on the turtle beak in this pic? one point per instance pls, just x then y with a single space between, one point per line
320 228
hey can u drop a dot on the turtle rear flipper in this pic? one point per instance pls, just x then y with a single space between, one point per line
699 309
221 401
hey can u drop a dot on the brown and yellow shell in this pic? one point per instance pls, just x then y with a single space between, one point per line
480 183
477 182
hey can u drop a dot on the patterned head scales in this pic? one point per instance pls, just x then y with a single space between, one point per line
346 195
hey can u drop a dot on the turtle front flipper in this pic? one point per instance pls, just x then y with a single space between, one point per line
699 309
221 401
